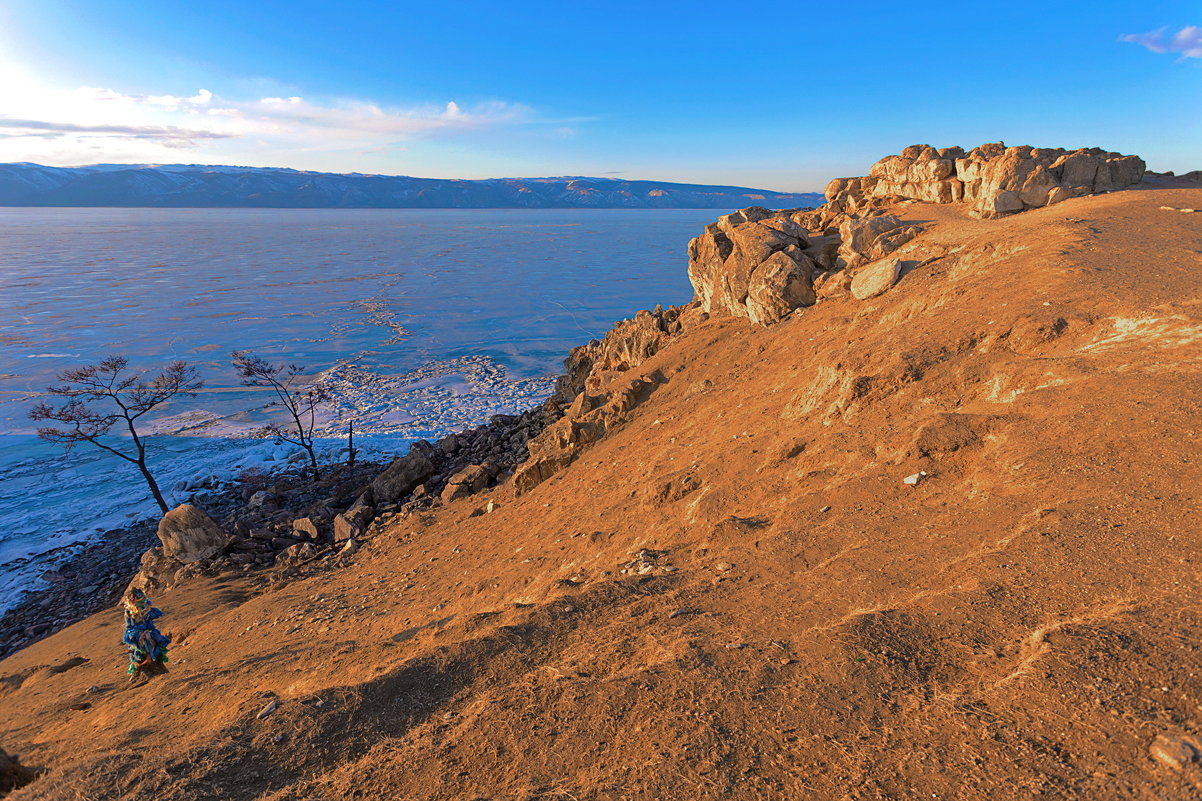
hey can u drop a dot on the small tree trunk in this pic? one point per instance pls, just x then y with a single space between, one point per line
313 462
154 486
350 446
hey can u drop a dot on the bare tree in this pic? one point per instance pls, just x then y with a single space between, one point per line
300 402
109 384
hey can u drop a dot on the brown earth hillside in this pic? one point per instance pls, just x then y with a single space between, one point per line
732 594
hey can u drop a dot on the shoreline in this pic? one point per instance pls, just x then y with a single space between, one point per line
261 513
83 584
95 577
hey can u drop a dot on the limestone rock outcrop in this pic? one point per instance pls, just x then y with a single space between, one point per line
627 345
587 420
754 263
993 179
761 264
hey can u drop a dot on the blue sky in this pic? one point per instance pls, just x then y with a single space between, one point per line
776 95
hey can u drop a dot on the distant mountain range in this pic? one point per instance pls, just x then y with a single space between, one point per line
178 185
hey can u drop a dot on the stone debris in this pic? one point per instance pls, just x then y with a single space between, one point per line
915 478
646 562
1175 752
266 711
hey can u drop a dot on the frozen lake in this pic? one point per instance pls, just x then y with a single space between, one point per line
421 321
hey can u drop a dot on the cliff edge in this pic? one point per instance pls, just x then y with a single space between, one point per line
937 540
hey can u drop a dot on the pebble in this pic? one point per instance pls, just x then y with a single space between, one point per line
724 566
914 478
1176 752
272 706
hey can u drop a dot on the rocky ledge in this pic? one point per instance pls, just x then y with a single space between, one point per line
762 264
993 179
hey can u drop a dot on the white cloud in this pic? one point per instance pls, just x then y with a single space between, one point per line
82 122
1187 41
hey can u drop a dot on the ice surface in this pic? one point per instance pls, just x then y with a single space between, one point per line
419 322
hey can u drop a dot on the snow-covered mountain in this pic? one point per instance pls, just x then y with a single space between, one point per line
176 185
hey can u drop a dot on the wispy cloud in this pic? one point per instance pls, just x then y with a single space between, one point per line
1187 41
167 135
84 120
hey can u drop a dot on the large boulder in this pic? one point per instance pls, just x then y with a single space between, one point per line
402 476
780 284
469 481
752 263
873 279
993 179
189 535
865 239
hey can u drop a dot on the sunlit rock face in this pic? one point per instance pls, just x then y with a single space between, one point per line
993 179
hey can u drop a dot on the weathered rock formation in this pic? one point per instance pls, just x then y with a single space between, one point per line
587 420
628 344
993 179
762 264
596 393
753 263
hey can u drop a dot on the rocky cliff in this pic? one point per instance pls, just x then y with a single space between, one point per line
991 179
936 541
763 264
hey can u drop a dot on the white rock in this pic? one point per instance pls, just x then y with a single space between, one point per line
875 278
1176 752
913 479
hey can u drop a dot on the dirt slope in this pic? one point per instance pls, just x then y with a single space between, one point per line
800 623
